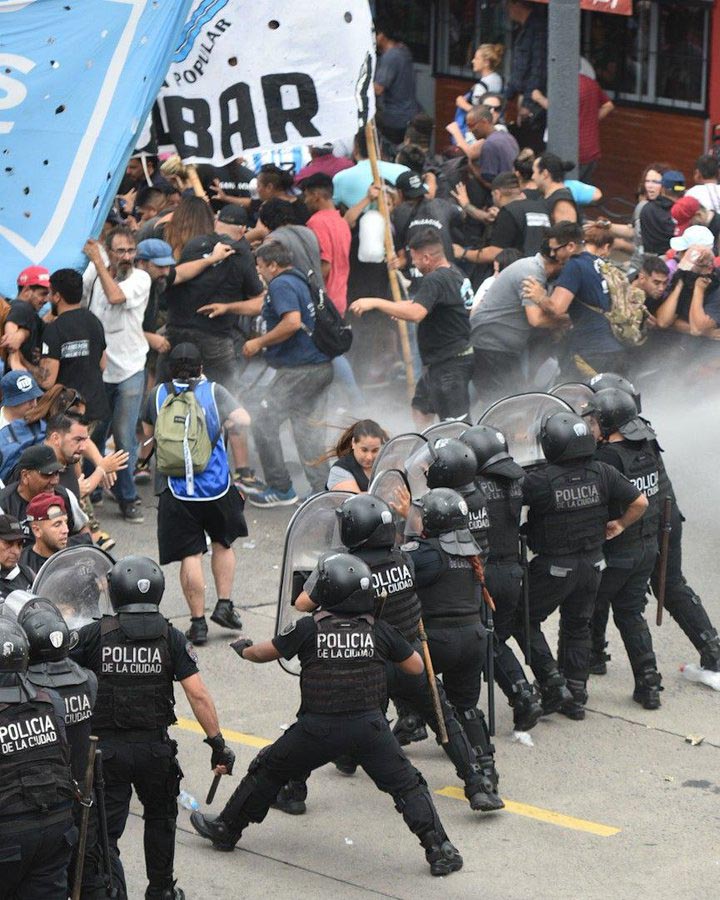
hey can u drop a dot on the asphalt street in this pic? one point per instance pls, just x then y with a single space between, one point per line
624 804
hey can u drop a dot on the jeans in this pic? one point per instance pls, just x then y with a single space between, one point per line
298 393
125 399
345 378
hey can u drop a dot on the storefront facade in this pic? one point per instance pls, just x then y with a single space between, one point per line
660 65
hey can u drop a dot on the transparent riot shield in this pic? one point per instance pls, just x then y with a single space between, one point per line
519 419
312 531
393 454
577 394
75 579
450 429
389 486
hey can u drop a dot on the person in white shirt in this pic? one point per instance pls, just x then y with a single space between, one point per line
118 293
706 189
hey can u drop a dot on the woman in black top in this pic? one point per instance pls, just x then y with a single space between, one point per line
356 450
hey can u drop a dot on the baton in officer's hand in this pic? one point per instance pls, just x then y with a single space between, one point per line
213 789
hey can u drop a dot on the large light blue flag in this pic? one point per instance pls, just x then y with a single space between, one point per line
77 79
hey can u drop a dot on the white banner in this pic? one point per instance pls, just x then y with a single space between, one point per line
251 77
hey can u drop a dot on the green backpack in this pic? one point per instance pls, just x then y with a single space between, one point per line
182 442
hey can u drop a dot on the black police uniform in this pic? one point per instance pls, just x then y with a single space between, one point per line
630 561
137 656
504 581
568 510
37 833
457 639
343 690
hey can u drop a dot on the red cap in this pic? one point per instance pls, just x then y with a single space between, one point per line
45 506
682 212
34 275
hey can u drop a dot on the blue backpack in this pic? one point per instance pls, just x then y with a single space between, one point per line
14 438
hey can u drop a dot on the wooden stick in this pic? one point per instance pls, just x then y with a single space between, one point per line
432 684
372 145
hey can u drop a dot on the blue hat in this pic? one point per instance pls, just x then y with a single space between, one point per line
155 251
673 181
18 387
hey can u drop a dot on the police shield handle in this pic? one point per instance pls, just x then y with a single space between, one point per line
372 145
85 818
665 529
430 672
213 790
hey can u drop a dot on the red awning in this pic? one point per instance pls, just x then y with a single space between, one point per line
619 7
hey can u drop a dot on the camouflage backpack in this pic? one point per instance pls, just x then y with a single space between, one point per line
627 314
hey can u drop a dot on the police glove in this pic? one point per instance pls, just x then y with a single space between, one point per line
221 754
240 645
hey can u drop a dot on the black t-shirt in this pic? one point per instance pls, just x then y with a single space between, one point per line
234 179
32 560
182 653
77 340
300 641
24 316
553 199
505 231
235 278
447 296
413 215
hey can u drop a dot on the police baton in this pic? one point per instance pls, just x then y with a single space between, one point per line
213 790
437 706
102 825
665 529
488 604
526 596
86 802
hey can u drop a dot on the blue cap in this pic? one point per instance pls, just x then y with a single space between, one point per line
673 181
18 387
155 251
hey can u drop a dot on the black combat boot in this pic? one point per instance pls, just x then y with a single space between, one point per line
488 800
441 854
647 689
554 692
409 729
710 655
172 892
599 660
575 707
216 830
291 798
526 706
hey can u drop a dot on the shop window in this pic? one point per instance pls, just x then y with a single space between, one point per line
413 20
460 26
659 55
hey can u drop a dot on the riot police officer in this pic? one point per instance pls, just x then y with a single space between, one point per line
448 574
367 529
342 651
681 601
137 654
568 522
50 667
36 791
625 444
499 480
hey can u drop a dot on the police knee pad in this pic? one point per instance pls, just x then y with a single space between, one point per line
417 809
475 726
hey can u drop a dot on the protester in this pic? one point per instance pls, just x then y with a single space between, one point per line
394 82
48 520
22 333
355 453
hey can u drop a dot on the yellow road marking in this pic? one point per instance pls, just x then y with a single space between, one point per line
542 815
237 737
519 809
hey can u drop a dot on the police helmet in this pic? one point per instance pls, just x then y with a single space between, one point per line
47 633
490 447
344 584
366 521
14 648
615 410
453 464
442 510
136 584
604 380
564 436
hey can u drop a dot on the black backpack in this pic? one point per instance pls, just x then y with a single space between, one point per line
330 335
